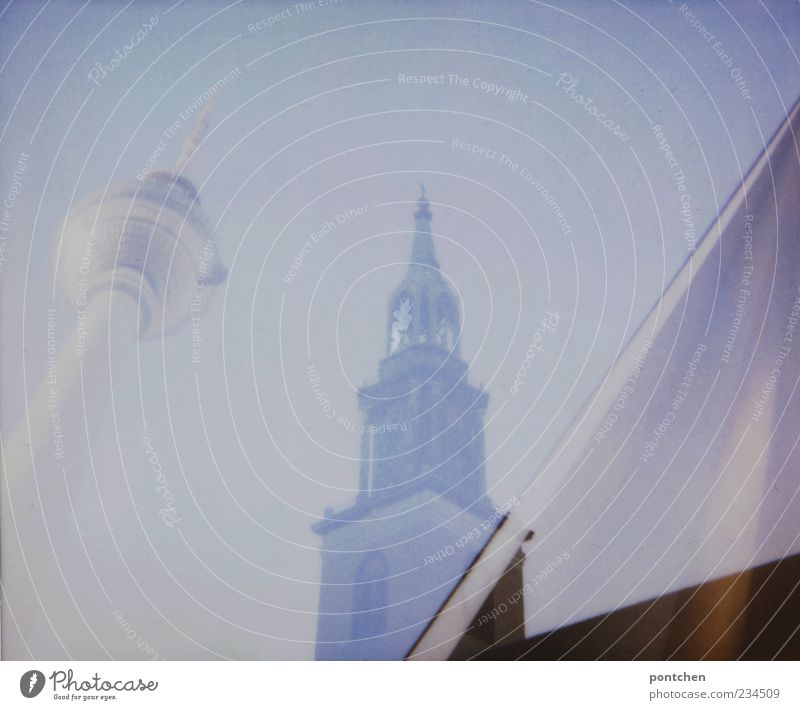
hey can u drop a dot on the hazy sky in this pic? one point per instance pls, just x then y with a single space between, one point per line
318 117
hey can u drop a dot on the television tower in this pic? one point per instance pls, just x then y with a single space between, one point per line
132 256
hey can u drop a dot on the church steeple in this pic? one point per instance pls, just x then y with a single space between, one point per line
423 251
422 477
423 384
423 311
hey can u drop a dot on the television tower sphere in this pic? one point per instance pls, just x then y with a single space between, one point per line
151 238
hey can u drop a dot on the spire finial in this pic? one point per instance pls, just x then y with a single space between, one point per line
194 140
422 251
422 207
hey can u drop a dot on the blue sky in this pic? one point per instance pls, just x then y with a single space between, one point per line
319 119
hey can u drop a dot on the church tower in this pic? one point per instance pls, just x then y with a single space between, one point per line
390 559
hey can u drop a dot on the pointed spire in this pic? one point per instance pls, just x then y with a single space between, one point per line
423 212
422 251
